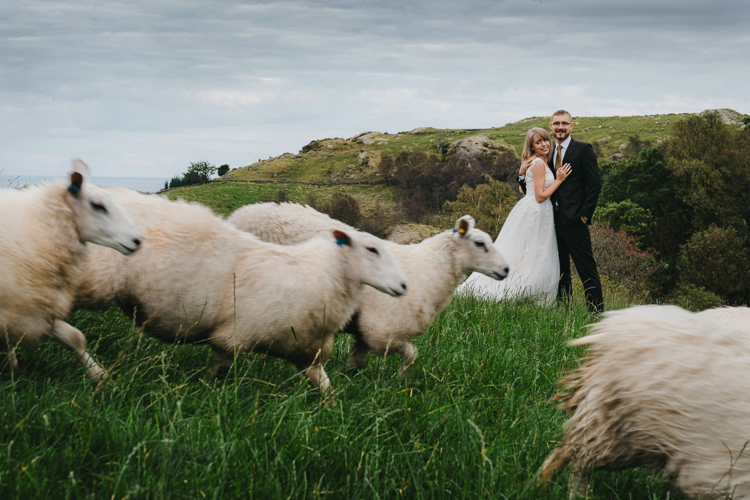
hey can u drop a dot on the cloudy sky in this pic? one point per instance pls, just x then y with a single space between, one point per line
143 88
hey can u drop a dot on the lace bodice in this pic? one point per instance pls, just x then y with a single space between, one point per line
548 179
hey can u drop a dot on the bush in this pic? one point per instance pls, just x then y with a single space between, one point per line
312 146
625 216
618 258
488 203
341 207
718 259
693 298
197 173
222 170
424 182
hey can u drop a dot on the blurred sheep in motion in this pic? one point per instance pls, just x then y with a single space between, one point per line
661 386
198 278
43 236
433 267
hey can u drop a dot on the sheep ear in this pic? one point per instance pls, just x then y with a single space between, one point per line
464 225
342 238
80 171
76 181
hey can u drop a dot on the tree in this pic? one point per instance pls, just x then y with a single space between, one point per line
197 173
386 167
201 170
719 260
489 204
223 170
710 167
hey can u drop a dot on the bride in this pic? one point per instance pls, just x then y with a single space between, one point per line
527 239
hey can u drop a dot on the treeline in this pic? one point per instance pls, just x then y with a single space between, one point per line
672 219
197 173
686 201
425 182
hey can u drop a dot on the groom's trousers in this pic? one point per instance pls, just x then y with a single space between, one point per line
574 241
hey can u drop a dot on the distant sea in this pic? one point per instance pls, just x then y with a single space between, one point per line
142 184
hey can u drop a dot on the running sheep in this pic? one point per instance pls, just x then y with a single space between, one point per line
666 387
434 268
43 235
198 278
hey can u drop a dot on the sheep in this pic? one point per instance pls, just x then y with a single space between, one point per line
198 278
733 317
43 235
434 268
662 386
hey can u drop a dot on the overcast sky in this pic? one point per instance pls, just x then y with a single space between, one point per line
143 88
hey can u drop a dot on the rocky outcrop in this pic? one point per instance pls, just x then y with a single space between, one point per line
406 234
728 116
474 147
367 138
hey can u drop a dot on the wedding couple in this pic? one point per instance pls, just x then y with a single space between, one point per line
549 225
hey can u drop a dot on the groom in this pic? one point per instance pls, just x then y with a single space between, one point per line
574 202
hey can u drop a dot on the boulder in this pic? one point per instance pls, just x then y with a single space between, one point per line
406 234
470 148
367 138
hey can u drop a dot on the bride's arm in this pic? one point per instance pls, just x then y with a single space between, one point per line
540 193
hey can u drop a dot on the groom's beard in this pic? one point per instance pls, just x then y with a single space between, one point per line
565 133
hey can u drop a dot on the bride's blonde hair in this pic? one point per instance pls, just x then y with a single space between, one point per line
530 135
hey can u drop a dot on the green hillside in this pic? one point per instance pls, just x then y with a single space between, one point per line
336 159
325 166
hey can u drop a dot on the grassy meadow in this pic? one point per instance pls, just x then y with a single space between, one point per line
473 419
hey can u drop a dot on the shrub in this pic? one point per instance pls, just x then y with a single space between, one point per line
342 207
312 146
488 203
718 259
618 258
693 298
424 182
625 216
197 173
222 170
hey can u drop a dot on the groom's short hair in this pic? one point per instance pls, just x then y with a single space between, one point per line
561 112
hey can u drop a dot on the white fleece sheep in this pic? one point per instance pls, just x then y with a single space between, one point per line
43 235
733 317
198 278
662 386
434 268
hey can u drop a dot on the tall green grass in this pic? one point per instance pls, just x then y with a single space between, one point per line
472 420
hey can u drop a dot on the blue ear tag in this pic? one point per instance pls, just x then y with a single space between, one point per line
341 241
73 189
455 230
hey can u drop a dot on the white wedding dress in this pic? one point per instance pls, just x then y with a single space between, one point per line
527 241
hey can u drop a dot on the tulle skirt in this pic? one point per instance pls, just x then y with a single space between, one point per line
527 242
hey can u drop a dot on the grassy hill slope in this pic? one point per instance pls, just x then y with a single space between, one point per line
338 164
337 158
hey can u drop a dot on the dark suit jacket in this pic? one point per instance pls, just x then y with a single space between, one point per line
577 195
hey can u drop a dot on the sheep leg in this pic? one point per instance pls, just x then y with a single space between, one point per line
358 357
409 354
318 378
554 463
580 477
73 338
